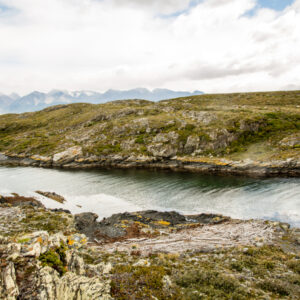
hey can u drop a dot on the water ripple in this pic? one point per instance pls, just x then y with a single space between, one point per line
106 192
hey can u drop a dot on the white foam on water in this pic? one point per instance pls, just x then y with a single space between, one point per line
108 193
101 204
5 192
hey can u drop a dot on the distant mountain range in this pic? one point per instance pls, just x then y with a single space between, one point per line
36 100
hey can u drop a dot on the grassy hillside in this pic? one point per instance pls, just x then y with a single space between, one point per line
259 126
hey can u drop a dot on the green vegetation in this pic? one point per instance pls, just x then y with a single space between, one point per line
56 259
140 139
44 220
140 281
228 125
245 273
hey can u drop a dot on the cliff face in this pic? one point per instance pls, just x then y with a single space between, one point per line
44 255
234 130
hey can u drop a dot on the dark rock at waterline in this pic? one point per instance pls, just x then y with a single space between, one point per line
52 195
17 200
128 225
61 210
207 218
86 223
172 217
146 217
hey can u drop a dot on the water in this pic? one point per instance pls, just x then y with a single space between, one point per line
112 191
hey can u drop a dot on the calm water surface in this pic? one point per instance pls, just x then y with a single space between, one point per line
107 192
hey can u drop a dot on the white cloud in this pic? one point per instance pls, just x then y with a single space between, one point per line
162 7
100 44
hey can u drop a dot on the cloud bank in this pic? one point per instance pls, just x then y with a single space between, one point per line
210 45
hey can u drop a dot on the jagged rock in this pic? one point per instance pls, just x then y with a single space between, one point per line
110 227
128 144
192 144
221 138
99 269
250 125
75 263
68 155
106 268
86 223
56 239
161 150
13 250
200 116
170 137
35 244
70 287
8 286
161 138
33 250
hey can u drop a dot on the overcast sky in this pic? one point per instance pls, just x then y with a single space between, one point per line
208 45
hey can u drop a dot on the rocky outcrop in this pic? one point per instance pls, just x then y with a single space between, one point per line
158 254
128 225
69 287
17 200
200 116
162 150
8 287
192 144
47 266
221 139
68 155
52 195
87 223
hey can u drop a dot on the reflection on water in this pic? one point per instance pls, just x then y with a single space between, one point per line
107 192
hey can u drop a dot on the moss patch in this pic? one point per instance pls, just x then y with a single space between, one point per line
55 258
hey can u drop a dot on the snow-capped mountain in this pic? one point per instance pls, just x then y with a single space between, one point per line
36 100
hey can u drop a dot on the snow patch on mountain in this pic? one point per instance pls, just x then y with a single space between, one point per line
36 100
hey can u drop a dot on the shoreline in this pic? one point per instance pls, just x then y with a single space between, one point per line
203 165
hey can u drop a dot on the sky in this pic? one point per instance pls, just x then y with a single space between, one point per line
210 45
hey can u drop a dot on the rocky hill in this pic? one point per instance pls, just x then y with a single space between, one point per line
253 133
53 255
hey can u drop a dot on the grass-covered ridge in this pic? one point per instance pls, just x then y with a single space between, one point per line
259 126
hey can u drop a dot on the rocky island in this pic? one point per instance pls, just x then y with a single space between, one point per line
51 254
254 134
